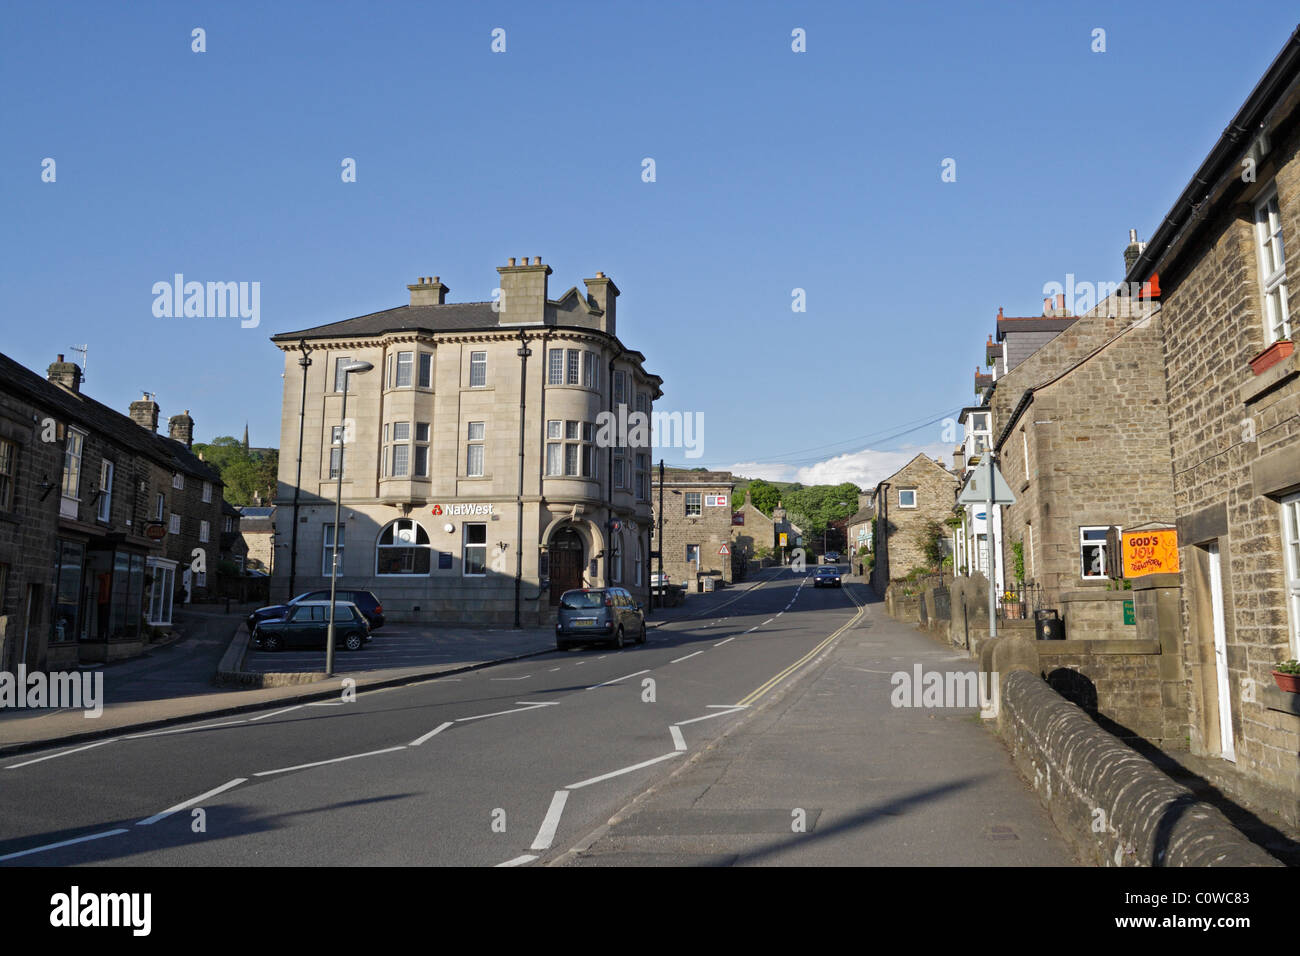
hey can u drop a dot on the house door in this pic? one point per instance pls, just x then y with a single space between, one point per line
1226 745
566 556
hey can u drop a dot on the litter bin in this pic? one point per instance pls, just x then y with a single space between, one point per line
1048 625
708 583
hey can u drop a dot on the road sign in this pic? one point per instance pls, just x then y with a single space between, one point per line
724 551
1129 616
783 539
976 491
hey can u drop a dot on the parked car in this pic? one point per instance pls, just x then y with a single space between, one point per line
826 576
657 580
307 625
365 600
598 614
831 557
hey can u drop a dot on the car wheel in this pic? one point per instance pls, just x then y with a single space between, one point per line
641 639
353 641
270 642
618 638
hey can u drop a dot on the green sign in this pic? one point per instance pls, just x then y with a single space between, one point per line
1129 616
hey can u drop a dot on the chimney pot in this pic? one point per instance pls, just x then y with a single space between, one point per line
1060 302
537 260
60 356
511 261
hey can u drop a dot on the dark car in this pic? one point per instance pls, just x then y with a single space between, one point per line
307 625
365 601
598 614
827 577
831 557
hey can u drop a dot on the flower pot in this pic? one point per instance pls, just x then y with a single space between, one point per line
1288 682
1271 356
1015 612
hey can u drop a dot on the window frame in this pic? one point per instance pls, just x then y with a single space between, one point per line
104 507
426 545
481 364
909 491
8 473
1100 544
466 545
1272 281
698 504
1290 505
472 445
72 462
327 551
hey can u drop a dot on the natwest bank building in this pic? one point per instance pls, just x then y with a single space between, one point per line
474 487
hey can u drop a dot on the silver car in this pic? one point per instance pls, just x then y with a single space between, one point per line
598 614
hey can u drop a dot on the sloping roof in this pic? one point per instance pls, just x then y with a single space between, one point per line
924 457
81 409
1033 323
452 317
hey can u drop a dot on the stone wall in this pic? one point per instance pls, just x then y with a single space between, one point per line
899 549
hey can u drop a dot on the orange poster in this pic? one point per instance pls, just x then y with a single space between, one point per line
1150 552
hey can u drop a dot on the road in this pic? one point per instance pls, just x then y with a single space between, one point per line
513 764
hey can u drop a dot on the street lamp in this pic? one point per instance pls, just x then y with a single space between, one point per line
347 369
304 363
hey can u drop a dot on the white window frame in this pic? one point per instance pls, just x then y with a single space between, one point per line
417 531
74 447
475 447
1272 280
105 504
1291 546
465 547
907 491
174 524
697 504
340 377
478 359
178 481
336 452
161 507
407 367
423 364
8 475
205 532
554 366
327 550
1093 542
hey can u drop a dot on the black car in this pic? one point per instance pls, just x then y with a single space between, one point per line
826 576
307 625
598 614
365 601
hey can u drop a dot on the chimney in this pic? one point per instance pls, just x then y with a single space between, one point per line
1047 306
428 290
181 428
1132 250
145 413
523 292
603 292
1060 304
66 374
959 459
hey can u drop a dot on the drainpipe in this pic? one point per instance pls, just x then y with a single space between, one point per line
523 352
609 470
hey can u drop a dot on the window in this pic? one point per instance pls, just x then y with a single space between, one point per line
207 491
327 564
72 449
477 369
640 563
616 557
568 449
620 478
403 548
178 481
405 366
174 526
474 450
642 479
641 401
399 455
201 579
159 504
692 503
693 555
336 451
340 377
1092 552
590 370
1272 270
588 450
229 526
8 467
162 590
425 377
1291 545
620 388
475 555
574 373
105 490
555 367
907 497
204 530
422 450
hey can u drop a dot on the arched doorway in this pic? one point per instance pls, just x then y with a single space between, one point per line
566 554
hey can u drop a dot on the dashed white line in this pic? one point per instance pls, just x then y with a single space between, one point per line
720 643
326 703
64 753
528 705
321 763
519 860
752 629
678 740
185 730
273 713
619 773
686 658
436 730
525 677
768 621
617 679
55 846
546 835
149 821
719 713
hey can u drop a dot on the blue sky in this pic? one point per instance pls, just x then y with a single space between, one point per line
775 170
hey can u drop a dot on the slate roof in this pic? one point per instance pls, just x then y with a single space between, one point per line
452 317
97 417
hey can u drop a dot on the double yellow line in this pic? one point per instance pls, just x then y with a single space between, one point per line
758 692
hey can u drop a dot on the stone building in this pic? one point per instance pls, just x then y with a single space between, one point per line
86 567
1224 258
751 530
477 481
697 525
257 528
905 502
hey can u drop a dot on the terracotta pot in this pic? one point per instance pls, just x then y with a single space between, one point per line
1288 682
1271 356
1015 612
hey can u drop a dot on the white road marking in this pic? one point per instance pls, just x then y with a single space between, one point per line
686 658
530 706
436 730
546 835
726 706
678 740
326 703
525 677
619 773
189 803
185 730
617 679
55 846
720 643
752 629
716 713
273 713
778 614
768 621
519 860
553 670
321 763
64 753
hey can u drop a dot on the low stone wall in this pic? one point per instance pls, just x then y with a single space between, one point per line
1096 614
1113 805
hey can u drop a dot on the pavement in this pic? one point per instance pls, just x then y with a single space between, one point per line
772 699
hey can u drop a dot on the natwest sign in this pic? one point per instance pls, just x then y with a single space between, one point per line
463 509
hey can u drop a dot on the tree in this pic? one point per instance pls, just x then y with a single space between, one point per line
244 473
765 496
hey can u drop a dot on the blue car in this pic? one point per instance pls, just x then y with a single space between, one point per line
826 576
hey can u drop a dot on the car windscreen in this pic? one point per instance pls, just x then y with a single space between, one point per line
581 600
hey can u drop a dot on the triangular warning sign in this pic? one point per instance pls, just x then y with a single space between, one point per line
976 491
724 550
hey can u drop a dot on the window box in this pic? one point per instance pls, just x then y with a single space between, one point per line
1275 353
1287 682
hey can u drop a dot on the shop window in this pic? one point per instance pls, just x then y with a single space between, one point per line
475 550
403 548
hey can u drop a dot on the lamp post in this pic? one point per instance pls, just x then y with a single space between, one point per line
304 363
347 369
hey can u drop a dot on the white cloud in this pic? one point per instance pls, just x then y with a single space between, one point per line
864 468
